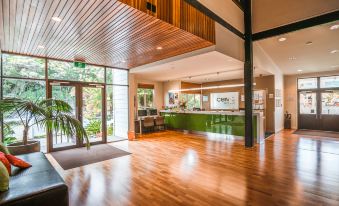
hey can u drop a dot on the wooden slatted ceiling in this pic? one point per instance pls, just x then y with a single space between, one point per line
103 32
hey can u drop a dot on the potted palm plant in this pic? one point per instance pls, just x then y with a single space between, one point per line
54 115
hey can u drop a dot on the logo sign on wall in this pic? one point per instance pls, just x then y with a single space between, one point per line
227 100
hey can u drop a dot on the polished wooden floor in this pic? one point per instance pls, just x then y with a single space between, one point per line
172 168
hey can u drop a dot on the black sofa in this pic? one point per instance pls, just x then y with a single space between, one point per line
35 186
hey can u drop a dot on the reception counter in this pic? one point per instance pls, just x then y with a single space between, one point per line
229 123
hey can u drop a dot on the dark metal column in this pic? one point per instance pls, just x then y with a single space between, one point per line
248 74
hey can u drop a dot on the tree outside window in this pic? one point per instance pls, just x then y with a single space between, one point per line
193 100
145 98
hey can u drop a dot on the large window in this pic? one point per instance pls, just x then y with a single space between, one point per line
309 83
192 100
24 77
329 82
145 98
66 71
23 67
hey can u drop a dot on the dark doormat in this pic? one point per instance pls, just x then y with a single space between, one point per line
268 134
73 158
316 133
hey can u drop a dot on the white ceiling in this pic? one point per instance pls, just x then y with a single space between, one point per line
308 58
207 67
268 14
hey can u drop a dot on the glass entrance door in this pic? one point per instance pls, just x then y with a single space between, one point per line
87 102
67 93
92 112
329 115
308 110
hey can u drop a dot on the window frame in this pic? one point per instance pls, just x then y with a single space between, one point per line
47 80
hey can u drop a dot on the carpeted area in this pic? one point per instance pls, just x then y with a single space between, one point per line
317 133
73 158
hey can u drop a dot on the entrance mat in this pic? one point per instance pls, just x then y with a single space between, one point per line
73 158
268 134
316 133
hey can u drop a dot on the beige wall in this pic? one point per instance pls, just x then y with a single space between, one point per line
263 62
132 96
291 95
227 42
268 14
133 104
227 10
167 86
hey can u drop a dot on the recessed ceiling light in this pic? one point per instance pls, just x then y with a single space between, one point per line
309 43
41 47
57 19
333 51
159 48
122 61
299 70
334 27
281 39
292 58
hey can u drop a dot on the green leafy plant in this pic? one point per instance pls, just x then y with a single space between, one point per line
9 132
9 140
54 115
94 127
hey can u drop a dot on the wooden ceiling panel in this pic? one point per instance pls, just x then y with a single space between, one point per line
102 32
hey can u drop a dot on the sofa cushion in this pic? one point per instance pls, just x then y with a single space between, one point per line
4 178
17 162
37 185
5 162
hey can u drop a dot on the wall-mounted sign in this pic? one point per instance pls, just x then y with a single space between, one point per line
227 100
205 98
80 64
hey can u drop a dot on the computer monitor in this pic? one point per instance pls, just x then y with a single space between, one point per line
153 112
142 112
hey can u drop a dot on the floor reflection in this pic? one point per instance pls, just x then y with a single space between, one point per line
173 168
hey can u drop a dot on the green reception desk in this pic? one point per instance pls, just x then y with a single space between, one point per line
228 123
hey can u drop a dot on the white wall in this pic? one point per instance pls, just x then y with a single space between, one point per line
133 104
264 62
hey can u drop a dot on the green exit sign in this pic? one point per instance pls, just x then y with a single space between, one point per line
80 64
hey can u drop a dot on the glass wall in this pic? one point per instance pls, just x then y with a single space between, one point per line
67 71
117 104
24 77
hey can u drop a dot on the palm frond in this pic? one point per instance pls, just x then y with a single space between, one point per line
54 115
